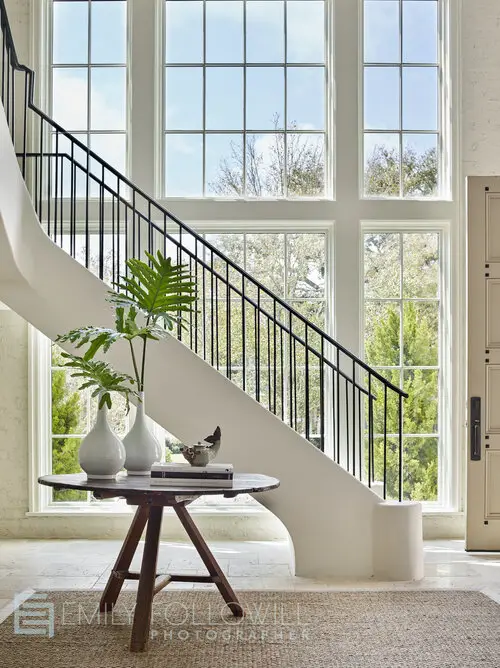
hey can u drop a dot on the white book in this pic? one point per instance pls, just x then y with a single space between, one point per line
180 467
186 482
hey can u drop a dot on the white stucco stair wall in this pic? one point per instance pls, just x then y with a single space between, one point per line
328 513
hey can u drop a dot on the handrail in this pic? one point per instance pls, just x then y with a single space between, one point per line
345 389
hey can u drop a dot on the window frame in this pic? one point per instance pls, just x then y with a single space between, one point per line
448 482
348 212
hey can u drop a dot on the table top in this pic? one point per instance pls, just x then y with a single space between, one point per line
243 483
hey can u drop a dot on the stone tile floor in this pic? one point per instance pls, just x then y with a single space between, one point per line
84 564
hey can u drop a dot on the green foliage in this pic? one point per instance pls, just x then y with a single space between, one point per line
65 420
102 378
419 172
420 409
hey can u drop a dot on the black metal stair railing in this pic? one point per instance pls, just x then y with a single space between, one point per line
262 344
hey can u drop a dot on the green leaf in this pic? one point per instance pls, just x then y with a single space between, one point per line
159 289
102 377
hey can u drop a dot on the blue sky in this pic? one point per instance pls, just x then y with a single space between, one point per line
265 86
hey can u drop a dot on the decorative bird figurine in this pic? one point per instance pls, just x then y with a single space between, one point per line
202 454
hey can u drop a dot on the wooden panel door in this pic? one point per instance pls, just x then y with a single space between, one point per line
483 423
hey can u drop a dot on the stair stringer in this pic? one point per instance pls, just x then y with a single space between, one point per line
327 512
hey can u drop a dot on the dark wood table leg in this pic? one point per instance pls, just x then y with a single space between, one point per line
124 559
145 592
209 560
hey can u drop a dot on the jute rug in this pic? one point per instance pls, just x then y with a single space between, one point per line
190 629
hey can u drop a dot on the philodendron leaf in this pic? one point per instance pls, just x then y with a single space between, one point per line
159 289
102 377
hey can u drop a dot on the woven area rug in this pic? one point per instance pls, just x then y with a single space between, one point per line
191 629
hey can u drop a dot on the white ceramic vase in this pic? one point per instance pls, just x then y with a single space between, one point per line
141 446
101 453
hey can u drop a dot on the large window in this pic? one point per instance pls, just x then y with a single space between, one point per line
262 127
403 341
401 98
244 108
89 74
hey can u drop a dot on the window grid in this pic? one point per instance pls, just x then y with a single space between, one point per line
404 65
399 371
116 157
281 132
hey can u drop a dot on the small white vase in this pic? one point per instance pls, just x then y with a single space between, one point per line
141 446
101 453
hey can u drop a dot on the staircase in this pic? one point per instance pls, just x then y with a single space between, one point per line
284 391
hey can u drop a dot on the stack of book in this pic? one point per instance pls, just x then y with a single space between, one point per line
184 475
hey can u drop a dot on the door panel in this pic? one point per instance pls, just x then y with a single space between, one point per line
483 451
492 313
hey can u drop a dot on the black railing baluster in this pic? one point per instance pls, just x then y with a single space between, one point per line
322 397
385 442
257 341
290 371
371 469
306 351
204 321
401 446
243 334
274 356
337 420
347 425
229 332
212 324
354 419
217 322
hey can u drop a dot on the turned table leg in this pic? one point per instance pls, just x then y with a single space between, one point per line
145 592
209 560
124 559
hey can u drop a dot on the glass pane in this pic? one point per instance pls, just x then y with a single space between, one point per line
184 98
382 266
382 165
69 98
305 165
421 265
265 31
420 472
112 149
231 245
265 260
381 95
70 33
306 98
108 106
265 165
69 404
421 407
184 32
420 31
305 31
224 31
265 98
421 333
306 263
381 31
224 165
183 165
420 165
420 98
65 460
224 98
382 333
108 46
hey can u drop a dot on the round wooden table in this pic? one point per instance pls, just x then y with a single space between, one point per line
150 501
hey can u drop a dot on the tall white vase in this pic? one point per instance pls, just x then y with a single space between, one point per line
101 453
141 446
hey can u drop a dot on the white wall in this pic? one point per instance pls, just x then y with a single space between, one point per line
480 45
